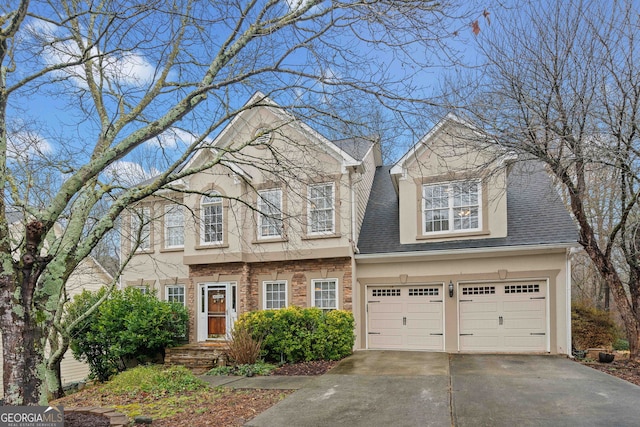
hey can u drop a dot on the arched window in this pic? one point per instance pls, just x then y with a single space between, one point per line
211 219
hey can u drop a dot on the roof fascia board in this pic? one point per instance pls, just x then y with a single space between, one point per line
471 251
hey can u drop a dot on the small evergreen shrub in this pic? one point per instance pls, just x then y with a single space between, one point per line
296 334
591 327
621 344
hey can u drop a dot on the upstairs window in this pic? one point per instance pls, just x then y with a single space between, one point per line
321 209
141 228
451 207
270 213
211 220
173 227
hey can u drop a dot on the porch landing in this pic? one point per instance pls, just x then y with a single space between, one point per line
198 357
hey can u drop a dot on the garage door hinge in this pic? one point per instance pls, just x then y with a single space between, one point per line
465 335
374 333
537 333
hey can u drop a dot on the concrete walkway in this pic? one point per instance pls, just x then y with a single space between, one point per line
392 388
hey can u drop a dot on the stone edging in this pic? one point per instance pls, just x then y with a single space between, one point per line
116 419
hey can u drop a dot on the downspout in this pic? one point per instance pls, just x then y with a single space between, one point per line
355 293
570 252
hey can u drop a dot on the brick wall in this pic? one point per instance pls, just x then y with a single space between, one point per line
248 276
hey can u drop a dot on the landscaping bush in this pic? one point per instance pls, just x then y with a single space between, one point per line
154 379
621 344
243 348
296 334
129 325
591 327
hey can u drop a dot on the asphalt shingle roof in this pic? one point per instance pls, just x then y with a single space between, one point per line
355 147
535 216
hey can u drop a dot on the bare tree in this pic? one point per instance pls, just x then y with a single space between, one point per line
561 84
104 80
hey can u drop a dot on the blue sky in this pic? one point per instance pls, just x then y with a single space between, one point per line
51 110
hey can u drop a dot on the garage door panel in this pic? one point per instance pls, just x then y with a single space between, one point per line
479 342
405 317
479 306
524 305
530 343
506 318
383 307
385 340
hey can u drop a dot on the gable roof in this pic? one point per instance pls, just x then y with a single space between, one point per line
259 100
419 147
535 216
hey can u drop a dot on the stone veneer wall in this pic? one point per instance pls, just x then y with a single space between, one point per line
248 276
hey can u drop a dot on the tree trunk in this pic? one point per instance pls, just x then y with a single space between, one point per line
53 376
22 357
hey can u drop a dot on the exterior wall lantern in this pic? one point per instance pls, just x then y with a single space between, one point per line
450 289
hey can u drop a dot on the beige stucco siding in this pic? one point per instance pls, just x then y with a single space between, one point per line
545 266
450 156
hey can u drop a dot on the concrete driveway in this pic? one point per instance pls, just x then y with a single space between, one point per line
393 388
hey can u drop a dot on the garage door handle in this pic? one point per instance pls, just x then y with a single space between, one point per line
374 333
466 300
537 333
435 300
404 321
465 335
500 320
536 297
436 334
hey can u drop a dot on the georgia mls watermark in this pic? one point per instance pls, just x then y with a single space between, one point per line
31 416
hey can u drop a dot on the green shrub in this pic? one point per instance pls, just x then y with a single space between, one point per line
296 334
249 369
621 344
154 379
128 326
591 327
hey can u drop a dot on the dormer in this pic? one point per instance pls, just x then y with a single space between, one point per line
450 186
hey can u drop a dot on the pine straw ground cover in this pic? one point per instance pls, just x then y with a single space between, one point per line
174 397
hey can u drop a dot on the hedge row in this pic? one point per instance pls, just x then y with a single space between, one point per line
296 334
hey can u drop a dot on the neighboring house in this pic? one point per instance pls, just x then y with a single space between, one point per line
433 253
89 275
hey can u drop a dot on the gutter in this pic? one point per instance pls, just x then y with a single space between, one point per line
468 251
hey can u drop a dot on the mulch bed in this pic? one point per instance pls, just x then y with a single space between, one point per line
316 367
626 369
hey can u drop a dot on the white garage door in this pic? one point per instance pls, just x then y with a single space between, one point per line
405 317
503 317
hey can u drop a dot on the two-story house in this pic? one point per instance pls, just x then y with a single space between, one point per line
274 224
450 249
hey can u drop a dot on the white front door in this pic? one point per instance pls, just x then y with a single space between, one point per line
503 317
405 317
216 310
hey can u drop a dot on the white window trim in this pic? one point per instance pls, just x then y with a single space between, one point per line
262 217
202 221
313 293
142 288
141 218
333 209
264 293
450 208
184 294
165 239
